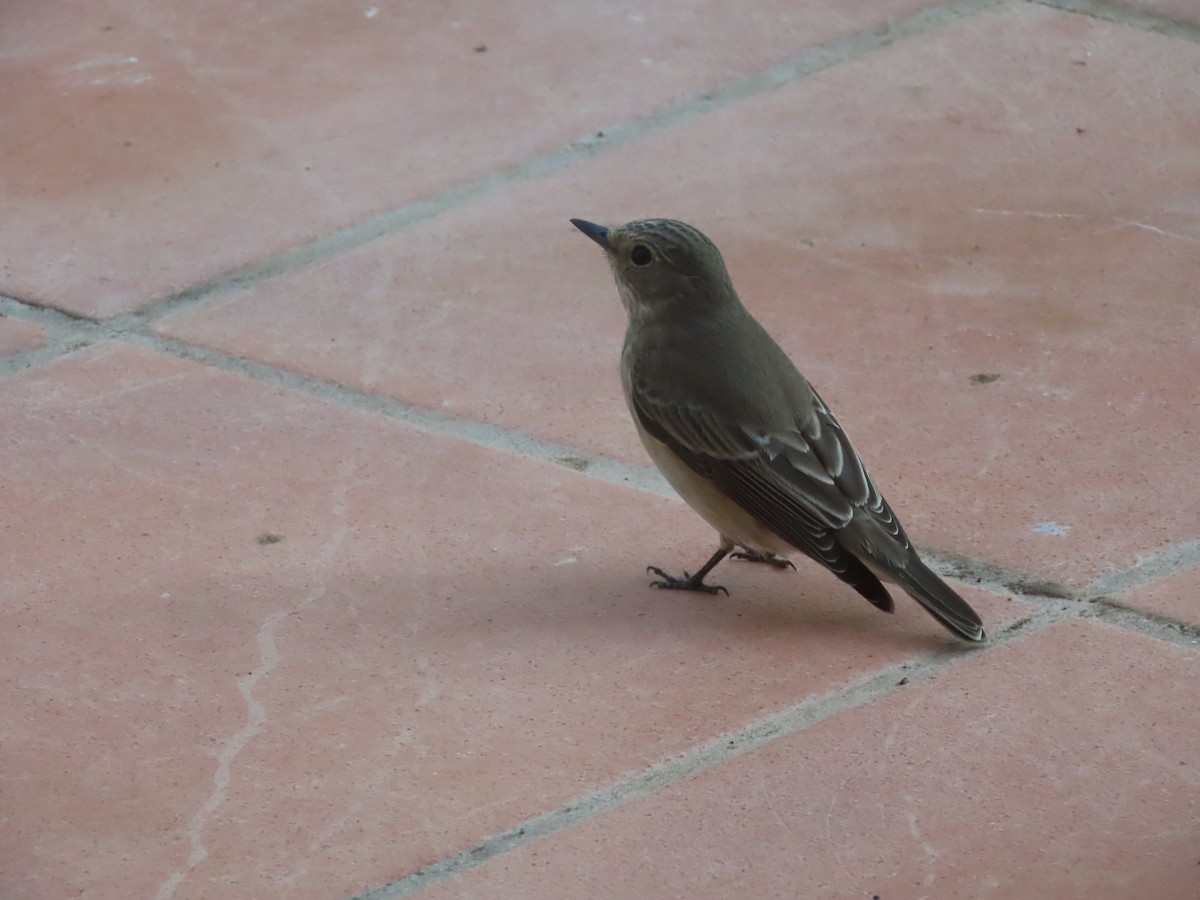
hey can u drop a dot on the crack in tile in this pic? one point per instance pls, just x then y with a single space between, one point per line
829 830
255 718
256 715
1130 223
1116 221
766 794
321 842
1024 213
915 830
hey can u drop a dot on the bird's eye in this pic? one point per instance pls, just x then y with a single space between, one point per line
640 256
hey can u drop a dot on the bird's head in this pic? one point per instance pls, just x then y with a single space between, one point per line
662 264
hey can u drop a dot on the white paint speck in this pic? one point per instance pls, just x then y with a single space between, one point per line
118 71
165 596
372 12
1051 528
105 61
566 561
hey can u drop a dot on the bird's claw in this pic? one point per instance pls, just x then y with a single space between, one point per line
770 559
686 583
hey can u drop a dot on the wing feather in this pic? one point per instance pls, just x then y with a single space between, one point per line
780 479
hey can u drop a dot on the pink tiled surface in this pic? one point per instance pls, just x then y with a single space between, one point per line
266 641
185 141
374 674
959 226
957 787
1176 596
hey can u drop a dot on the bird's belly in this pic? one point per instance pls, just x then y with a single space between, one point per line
729 519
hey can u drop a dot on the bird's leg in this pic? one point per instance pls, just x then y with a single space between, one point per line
692 582
759 556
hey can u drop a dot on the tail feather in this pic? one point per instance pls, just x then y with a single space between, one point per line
940 600
866 583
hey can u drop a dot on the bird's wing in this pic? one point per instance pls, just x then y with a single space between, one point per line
806 484
803 483
805 489
829 443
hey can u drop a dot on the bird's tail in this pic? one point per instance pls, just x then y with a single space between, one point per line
939 600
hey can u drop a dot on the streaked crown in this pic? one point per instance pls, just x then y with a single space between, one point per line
662 264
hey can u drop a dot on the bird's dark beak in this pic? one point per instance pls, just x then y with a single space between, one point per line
597 233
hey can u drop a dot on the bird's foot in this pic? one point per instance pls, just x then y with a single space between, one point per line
686 583
770 559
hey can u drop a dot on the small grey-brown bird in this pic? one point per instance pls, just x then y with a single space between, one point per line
742 436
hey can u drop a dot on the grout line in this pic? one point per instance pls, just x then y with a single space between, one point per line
714 752
808 61
960 567
508 440
43 315
1147 624
1055 599
812 711
994 578
1131 16
56 346
1058 602
1159 565
64 334
494 437
69 334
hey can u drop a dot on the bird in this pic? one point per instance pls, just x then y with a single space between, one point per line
742 436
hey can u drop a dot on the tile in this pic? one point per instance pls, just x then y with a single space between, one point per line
1176 596
257 645
988 780
19 336
902 224
184 141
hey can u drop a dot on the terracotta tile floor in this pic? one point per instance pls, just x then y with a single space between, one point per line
325 527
